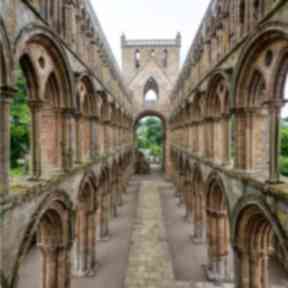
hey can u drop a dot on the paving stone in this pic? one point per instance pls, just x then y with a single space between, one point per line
149 264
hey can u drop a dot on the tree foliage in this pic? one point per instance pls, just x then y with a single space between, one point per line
20 120
150 135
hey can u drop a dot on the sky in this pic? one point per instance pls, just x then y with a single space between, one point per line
143 19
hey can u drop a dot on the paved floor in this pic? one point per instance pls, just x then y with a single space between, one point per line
150 246
149 259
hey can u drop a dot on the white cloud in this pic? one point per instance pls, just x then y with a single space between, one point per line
149 19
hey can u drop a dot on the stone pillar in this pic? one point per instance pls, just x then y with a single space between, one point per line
93 148
81 240
244 270
200 225
255 270
274 145
104 217
55 267
35 107
114 200
78 155
70 19
6 95
106 138
119 191
67 140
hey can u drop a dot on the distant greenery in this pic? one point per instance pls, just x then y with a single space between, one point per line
19 121
150 136
284 147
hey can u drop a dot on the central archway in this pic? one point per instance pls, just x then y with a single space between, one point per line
156 114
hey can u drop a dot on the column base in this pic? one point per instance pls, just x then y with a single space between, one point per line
197 240
88 273
105 238
215 272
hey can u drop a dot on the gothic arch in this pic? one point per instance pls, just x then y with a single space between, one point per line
58 206
151 85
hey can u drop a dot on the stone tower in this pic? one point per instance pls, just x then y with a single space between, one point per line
151 65
150 68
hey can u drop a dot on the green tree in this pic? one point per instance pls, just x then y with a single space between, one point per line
284 142
20 121
149 133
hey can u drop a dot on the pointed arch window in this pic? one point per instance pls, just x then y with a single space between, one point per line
151 91
165 58
137 58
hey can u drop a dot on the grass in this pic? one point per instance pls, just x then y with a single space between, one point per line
17 172
284 165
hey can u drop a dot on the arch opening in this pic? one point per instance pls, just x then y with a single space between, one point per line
258 248
46 244
44 91
220 254
151 91
150 137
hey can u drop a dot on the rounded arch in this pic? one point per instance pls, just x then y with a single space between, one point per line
218 228
153 113
56 205
85 225
34 33
256 232
259 203
145 113
262 65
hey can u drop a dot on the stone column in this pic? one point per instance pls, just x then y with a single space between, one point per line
114 200
255 270
81 240
119 191
70 24
274 145
63 267
200 225
49 267
78 155
106 138
67 140
104 217
91 249
35 107
93 148
6 95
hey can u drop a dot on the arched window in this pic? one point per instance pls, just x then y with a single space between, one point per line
137 58
152 53
151 91
165 58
